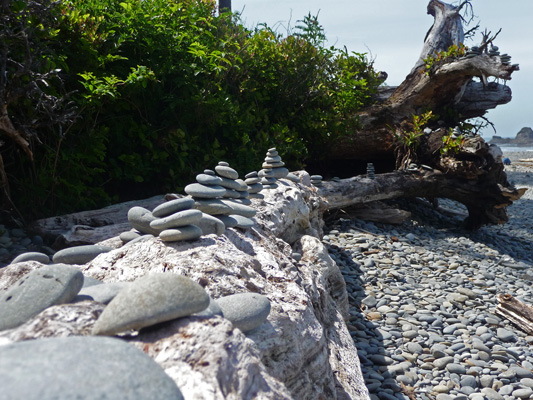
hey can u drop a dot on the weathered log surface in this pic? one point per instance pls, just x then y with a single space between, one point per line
515 311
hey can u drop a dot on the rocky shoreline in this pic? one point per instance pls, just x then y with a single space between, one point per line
423 296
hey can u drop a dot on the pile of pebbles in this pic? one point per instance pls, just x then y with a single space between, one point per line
423 298
273 169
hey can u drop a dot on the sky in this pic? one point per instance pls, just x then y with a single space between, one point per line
392 33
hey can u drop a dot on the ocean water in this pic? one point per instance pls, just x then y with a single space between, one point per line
516 149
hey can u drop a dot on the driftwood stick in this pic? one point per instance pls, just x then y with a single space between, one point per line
515 311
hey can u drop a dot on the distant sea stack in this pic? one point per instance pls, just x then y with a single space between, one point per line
523 138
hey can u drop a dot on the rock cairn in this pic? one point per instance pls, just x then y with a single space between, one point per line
370 171
273 169
316 180
255 186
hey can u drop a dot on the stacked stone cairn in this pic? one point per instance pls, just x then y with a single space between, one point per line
370 171
221 194
273 169
316 180
255 186
172 221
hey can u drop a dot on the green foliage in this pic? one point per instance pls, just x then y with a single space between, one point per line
451 143
453 52
407 141
166 88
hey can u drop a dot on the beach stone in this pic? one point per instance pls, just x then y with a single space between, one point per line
38 290
32 256
270 159
179 219
505 335
246 311
208 179
154 298
231 194
228 221
243 222
524 393
128 236
200 191
209 172
240 209
80 254
456 369
255 188
491 394
140 218
187 232
173 206
521 372
280 173
252 180
103 293
273 165
226 171
81 367
212 207
211 225
293 178
89 281
230 184
249 175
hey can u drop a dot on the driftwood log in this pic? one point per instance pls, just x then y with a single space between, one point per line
455 88
515 311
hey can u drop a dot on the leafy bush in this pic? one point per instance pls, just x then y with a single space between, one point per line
164 89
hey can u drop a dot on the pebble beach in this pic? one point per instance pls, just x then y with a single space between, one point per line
423 296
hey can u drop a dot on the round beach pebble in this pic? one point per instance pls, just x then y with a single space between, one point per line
140 218
79 254
243 222
212 310
230 184
240 209
173 206
32 256
226 171
228 221
246 311
128 236
38 290
280 173
211 225
208 179
187 232
81 367
198 190
212 206
232 194
149 300
181 218
103 293
255 188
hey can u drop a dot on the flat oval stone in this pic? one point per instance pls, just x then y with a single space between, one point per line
198 190
280 173
140 218
246 311
273 164
129 236
212 207
230 183
181 218
103 293
228 221
173 206
80 367
211 225
187 232
251 181
149 300
38 290
226 171
240 209
80 254
252 174
232 194
32 256
272 159
208 179
242 185
243 222
255 188
212 310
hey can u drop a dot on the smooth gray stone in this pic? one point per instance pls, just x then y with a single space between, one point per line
197 190
280 173
256 196
469 380
251 181
240 209
245 202
140 218
255 188
141 239
212 207
230 183
223 163
128 236
524 393
173 206
209 172
316 177
208 179
290 176
101 293
456 369
505 335
32 256
228 221
273 165
249 175
38 290
226 172
81 367
243 194
176 220
369 301
272 159
491 394
266 173
80 254
243 186
246 311
187 232
414 347
88 282
211 310
149 300
231 194
243 222
521 372
211 225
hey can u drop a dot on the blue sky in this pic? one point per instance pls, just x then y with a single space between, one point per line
392 33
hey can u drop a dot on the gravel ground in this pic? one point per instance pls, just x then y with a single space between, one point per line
423 297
